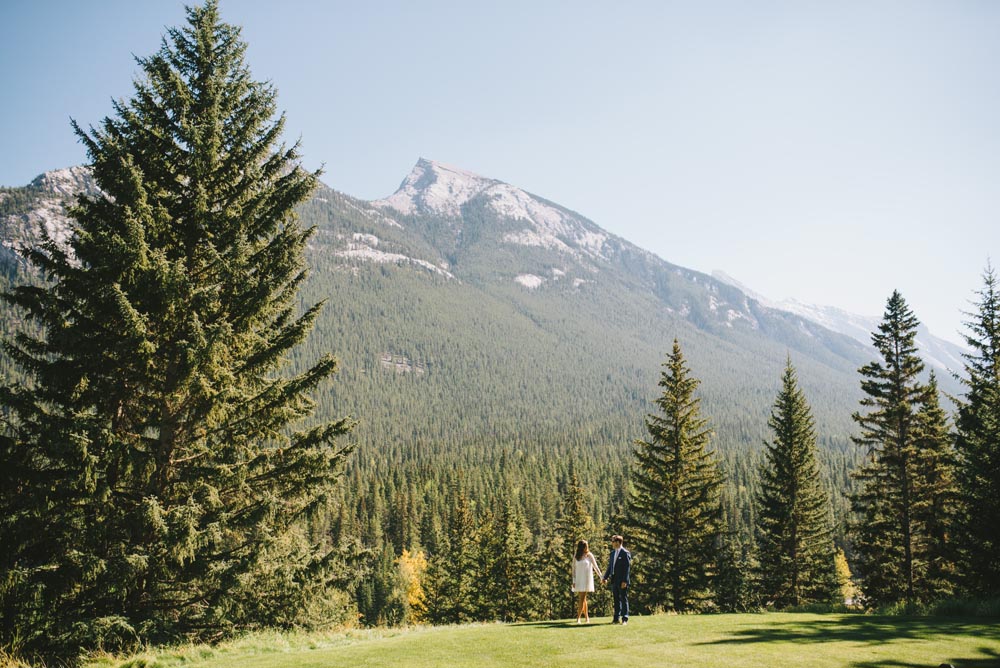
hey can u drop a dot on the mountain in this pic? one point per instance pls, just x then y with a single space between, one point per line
568 319
940 354
465 277
481 327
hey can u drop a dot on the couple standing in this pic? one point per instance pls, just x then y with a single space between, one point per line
619 567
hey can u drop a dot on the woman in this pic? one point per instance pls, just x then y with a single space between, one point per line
584 567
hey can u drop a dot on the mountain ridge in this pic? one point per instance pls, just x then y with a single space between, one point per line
454 267
438 189
939 353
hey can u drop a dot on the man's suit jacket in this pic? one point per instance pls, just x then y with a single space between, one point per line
619 571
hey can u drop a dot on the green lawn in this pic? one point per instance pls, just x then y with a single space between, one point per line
785 640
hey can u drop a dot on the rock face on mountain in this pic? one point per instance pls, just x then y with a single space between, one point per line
487 231
508 317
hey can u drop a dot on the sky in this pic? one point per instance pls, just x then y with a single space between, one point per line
829 152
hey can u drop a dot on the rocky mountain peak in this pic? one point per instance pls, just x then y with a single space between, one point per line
436 189
46 216
66 182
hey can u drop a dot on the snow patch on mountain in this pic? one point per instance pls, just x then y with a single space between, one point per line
365 253
369 239
532 238
936 352
368 212
732 315
529 281
364 248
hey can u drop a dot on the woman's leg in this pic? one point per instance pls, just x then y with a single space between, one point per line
581 603
586 612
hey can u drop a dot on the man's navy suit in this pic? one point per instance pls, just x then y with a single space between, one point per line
618 573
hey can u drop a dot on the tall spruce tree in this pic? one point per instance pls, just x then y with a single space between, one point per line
675 512
453 572
935 506
504 565
978 446
158 487
794 534
895 533
575 523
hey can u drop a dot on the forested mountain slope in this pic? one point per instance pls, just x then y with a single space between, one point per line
476 311
476 322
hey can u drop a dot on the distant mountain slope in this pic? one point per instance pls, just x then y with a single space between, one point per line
571 321
943 356
467 311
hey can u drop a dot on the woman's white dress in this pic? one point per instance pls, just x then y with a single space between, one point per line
583 573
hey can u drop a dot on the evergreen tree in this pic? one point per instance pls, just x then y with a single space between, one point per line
381 594
934 507
505 568
737 588
903 497
452 572
575 524
978 446
793 511
159 488
550 590
675 512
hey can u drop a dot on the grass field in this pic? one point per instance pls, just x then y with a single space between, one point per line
786 640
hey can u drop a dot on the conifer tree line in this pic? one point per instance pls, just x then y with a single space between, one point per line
166 476
912 539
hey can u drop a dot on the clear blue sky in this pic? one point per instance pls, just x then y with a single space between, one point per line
825 151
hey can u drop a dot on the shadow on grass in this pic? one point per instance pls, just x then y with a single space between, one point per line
560 624
990 659
878 630
864 629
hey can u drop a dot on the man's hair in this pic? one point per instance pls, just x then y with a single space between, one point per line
617 539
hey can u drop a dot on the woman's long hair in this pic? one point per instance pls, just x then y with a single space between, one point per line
581 549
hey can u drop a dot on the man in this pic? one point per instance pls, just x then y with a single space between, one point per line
619 568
